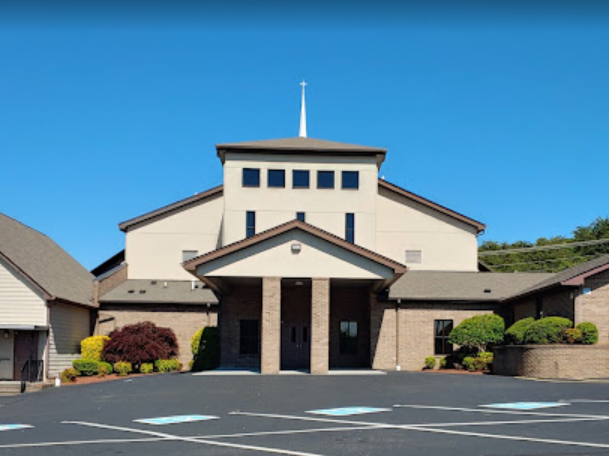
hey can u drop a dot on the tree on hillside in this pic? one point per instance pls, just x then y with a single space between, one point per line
549 260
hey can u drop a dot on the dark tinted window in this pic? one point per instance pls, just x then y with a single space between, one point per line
300 179
348 338
325 179
249 337
300 216
351 179
276 178
250 224
350 227
442 329
251 177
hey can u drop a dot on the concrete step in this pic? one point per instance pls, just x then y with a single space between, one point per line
10 388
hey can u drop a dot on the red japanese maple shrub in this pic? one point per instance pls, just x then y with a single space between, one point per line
140 343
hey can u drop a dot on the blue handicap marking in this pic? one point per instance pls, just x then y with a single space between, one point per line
176 419
14 427
346 411
526 405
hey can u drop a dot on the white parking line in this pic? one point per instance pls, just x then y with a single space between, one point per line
421 428
504 412
193 440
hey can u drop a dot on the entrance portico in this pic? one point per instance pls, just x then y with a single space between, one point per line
295 297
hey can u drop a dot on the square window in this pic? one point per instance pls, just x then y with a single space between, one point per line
325 179
251 177
350 180
300 178
276 178
300 216
189 254
249 337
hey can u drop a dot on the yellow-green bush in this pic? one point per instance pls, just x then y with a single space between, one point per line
91 347
146 368
205 349
123 368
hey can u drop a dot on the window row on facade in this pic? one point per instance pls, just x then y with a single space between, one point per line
301 179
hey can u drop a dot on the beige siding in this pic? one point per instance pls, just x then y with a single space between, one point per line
154 250
69 325
20 303
446 243
6 356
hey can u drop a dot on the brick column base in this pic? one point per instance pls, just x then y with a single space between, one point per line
271 325
320 326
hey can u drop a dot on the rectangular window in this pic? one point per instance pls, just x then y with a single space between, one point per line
414 256
325 179
250 224
249 334
251 177
300 216
300 178
350 179
350 228
348 338
189 254
442 329
276 178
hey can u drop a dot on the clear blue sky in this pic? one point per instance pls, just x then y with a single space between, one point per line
499 113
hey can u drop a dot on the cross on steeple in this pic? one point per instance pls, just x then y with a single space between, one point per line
302 132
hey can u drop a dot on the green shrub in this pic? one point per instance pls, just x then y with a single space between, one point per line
91 347
107 367
205 350
514 335
478 332
123 368
69 375
86 367
589 333
443 363
572 336
469 362
146 368
549 330
102 371
430 362
167 365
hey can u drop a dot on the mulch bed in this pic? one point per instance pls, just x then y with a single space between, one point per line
451 371
108 378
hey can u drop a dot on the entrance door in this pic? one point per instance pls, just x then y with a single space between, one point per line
295 345
26 347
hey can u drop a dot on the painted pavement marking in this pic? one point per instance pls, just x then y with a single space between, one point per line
348 411
503 412
177 419
193 440
422 428
14 427
526 405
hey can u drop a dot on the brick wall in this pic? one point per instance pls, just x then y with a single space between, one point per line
594 307
185 320
382 334
108 283
416 327
270 356
552 361
243 303
320 323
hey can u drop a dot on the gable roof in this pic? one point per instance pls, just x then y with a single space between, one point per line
424 201
44 263
170 208
301 145
191 265
573 276
462 286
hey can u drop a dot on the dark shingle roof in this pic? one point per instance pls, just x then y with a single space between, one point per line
163 291
301 144
462 286
44 262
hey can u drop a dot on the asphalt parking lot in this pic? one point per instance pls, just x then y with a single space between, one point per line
380 415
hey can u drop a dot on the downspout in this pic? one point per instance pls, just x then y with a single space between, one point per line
397 335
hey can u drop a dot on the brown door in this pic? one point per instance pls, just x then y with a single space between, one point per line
26 344
295 345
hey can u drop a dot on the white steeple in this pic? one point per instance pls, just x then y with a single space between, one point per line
302 132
